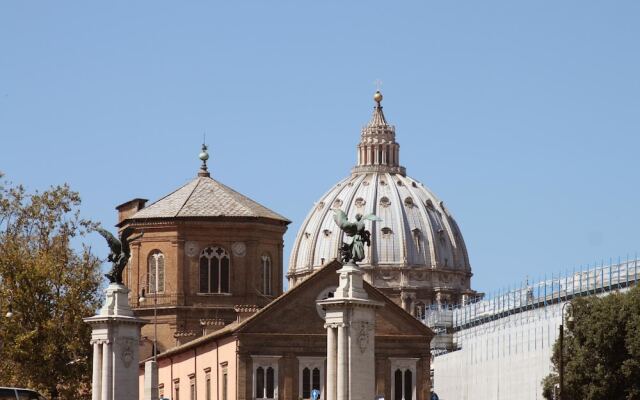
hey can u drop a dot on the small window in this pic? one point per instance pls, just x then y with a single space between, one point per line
155 272
265 377
306 383
420 310
398 385
214 270
337 203
311 376
408 202
266 275
192 387
384 202
360 202
403 372
386 232
417 235
207 384
408 385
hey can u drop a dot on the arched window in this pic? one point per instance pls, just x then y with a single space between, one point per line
265 377
266 275
260 383
155 272
408 385
214 270
397 378
306 383
403 372
311 377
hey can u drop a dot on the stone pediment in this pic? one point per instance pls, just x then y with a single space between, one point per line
295 312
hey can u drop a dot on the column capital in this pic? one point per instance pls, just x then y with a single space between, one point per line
335 325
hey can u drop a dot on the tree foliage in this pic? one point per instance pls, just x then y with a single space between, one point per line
49 286
601 349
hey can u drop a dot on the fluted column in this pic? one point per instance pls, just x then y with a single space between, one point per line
96 385
107 373
332 358
343 366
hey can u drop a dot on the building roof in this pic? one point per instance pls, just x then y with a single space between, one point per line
206 197
328 269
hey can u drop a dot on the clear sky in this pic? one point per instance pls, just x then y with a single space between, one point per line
523 116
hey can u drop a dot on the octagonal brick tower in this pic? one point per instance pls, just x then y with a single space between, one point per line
417 255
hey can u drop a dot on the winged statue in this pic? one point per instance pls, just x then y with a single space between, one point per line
354 251
120 252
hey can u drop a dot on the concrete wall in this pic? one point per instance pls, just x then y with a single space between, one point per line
503 359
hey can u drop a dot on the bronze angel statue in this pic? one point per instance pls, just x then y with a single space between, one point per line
354 251
120 252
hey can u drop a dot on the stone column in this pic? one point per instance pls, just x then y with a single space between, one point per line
96 379
115 336
332 359
343 364
354 314
107 371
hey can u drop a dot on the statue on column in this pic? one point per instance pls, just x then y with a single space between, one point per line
353 251
120 252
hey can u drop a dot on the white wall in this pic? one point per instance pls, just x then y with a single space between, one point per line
503 359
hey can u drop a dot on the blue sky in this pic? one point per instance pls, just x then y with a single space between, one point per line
522 116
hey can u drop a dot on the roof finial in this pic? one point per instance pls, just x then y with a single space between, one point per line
378 95
204 156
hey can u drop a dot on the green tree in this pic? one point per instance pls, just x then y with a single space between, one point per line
601 349
49 286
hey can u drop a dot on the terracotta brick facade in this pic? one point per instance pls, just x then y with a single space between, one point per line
183 312
288 331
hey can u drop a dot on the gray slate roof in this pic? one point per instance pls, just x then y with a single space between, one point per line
206 197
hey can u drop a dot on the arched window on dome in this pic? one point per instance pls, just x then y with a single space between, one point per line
155 272
265 273
215 270
417 235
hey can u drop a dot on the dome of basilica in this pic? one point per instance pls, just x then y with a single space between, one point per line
417 254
